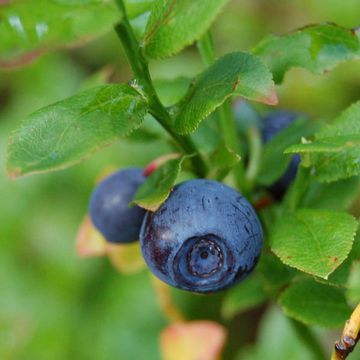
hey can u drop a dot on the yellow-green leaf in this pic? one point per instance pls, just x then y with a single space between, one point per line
157 187
313 241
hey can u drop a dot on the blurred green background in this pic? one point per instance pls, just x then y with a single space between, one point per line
54 305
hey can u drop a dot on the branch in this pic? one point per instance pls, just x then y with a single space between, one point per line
349 338
140 69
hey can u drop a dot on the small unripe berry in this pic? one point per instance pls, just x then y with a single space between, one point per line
109 206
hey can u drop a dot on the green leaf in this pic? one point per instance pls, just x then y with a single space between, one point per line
313 241
276 340
355 251
244 296
274 162
143 135
68 131
317 48
334 144
239 74
174 24
274 273
336 196
206 137
340 276
149 131
157 187
335 152
345 125
30 28
315 304
222 160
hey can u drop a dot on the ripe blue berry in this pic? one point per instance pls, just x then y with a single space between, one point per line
204 238
109 206
273 124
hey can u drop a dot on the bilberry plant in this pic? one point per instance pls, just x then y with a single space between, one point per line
203 235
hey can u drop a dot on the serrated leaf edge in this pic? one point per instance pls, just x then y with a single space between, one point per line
144 43
325 276
271 99
14 173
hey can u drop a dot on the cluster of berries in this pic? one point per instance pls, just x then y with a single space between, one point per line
205 237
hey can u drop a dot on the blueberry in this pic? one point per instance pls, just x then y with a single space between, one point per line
205 237
109 206
273 124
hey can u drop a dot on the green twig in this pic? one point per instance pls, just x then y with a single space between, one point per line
255 149
349 337
224 114
206 49
227 127
298 188
140 69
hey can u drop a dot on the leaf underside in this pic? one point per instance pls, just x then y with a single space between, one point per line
335 152
157 187
317 48
68 131
235 74
175 24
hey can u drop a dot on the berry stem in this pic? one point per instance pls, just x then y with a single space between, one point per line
206 49
140 68
224 114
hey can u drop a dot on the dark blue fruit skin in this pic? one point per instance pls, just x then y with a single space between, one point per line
109 210
204 238
273 124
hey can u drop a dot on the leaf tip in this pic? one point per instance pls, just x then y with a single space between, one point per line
272 99
148 206
155 164
13 174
